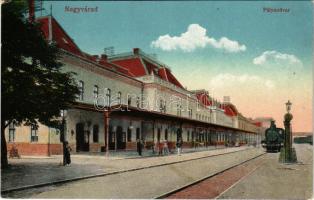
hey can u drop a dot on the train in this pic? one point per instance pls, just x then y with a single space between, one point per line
304 139
274 138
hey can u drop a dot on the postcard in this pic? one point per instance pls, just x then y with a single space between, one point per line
157 99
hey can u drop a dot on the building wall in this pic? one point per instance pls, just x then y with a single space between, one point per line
153 89
92 75
48 141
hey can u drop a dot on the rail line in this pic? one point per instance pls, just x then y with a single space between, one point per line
59 182
167 194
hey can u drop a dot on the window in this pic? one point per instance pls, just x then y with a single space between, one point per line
11 132
138 102
179 109
108 97
129 135
81 89
95 133
34 133
190 113
129 100
119 98
138 133
188 136
95 91
161 105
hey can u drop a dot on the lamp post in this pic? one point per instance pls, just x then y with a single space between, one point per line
288 155
62 133
288 106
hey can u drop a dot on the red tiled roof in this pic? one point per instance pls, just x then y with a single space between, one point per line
259 124
230 110
61 38
130 66
204 99
134 65
150 67
163 74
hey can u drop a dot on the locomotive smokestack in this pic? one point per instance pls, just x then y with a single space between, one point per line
31 10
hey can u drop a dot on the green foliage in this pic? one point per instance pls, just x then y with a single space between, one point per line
32 84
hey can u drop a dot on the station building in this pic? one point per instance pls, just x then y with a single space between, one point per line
126 97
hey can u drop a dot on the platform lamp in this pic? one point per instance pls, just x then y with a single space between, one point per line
288 106
63 114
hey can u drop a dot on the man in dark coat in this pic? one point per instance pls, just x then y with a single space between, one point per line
139 146
67 153
179 146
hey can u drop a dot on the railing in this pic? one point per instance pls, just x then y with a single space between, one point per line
155 79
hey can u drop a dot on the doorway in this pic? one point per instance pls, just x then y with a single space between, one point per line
121 140
82 138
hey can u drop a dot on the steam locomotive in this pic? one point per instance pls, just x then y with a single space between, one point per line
274 138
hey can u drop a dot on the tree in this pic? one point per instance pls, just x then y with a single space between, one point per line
33 87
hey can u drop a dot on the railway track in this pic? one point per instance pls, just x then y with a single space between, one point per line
180 193
8 192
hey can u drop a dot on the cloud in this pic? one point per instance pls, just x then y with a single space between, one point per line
195 37
276 57
240 81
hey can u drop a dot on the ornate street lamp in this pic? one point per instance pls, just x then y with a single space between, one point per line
288 155
288 106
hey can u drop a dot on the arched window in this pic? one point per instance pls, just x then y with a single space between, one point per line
138 102
119 98
161 105
108 97
129 100
95 91
81 89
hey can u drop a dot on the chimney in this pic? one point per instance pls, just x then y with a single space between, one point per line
104 57
136 51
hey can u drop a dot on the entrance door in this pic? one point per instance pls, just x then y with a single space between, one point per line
121 143
158 134
112 138
138 133
82 138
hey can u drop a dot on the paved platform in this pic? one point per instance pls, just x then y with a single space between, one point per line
30 171
274 180
148 182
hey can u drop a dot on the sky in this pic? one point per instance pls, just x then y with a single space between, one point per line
260 59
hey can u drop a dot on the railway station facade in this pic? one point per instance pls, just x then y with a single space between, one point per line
131 96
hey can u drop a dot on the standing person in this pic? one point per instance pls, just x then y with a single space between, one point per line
160 148
139 146
67 153
165 148
179 146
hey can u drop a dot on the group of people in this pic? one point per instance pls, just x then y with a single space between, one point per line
162 147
